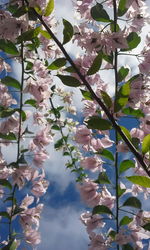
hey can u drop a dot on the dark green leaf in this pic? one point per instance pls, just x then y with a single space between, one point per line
135 141
107 154
146 226
146 144
5 183
103 179
100 209
95 65
49 8
6 112
133 41
58 63
31 102
127 247
122 73
122 7
22 159
9 81
59 143
114 27
69 81
108 58
55 127
87 95
125 221
12 199
133 202
9 136
106 98
143 181
20 11
99 14
8 47
18 210
70 69
125 165
67 31
29 35
29 65
122 97
112 234
95 122
134 112
5 214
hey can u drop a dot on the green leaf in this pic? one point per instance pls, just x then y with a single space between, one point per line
108 58
106 98
45 34
70 69
12 245
125 221
122 7
59 143
143 181
9 81
107 154
122 97
112 234
146 226
6 112
133 41
5 183
134 112
125 165
29 65
95 122
87 95
55 127
146 144
69 81
121 191
58 63
20 11
8 47
127 247
12 199
103 179
114 27
99 14
95 65
29 35
49 8
67 31
9 136
31 102
100 209
5 214
133 202
122 73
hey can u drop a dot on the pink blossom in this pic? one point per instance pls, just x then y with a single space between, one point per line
32 236
98 242
89 108
92 221
92 163
88 192
83 135
99 144
39 187
40 157
22 174
136 132
42 138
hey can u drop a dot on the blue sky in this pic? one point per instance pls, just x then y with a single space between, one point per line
60 226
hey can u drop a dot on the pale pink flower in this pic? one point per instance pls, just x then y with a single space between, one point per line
40 157
98 242
91 221
88 192
92 163
121 238
99 144
32 236
22 174
42 138
39 187
83 135
89 108
136 132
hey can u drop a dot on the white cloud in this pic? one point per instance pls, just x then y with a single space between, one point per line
61 229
